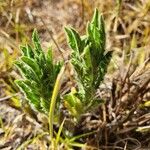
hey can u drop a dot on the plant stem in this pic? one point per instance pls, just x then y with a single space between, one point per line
53 99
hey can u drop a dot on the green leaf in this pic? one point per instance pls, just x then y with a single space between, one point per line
87 58
36 42
30 62
30 95
49 59
98 22
39 54
96 18
33 86
102 68
27 71
73 104
30 52
44 105
102 33
70 99
89 61
87 77
27 51
24 50
96 34
74 39
39 74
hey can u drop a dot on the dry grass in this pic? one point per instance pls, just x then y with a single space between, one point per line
123 122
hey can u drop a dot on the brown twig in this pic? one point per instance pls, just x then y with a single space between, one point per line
82 4
53 39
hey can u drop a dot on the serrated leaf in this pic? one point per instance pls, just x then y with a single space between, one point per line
96 33
94 36
26 71
44 105
33 86
22 69
36 42
40 59
88 73
56 68
31 97
24 50
30 62
49 59
39 73
98 22
102 68
102 30
39 54
96 18
89 61
30 52
73 39
27 51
